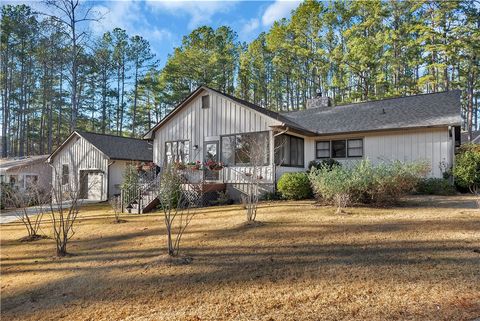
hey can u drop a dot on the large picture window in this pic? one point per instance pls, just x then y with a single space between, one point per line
177 151
345 148
289 151
245 149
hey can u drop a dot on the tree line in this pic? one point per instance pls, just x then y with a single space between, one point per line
54 79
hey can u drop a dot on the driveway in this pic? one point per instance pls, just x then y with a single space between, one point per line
8 216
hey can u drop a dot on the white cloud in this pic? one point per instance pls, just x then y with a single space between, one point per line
250 26
278 10
127 15
200 12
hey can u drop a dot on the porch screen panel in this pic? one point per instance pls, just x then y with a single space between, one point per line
246 149
289 151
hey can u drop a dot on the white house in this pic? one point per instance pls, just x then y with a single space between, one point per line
22 172
421 127
95 163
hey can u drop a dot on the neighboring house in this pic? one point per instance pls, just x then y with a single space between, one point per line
95 163
475 137
421 127
21 172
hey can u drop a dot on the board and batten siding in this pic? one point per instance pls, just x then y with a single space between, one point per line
198 125
432 145
79 154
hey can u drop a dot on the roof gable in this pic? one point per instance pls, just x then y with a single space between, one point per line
114 147
264 112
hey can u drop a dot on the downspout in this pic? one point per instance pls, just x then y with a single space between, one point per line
454 139
108 177
273 157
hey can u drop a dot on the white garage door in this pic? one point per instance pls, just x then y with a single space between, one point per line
95 186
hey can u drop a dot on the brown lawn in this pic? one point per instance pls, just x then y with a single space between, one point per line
420 261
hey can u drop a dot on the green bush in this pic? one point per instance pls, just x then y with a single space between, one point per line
364 183
317 164
435 186
467 168
294 186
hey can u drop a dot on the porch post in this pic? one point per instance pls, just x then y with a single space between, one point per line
271 138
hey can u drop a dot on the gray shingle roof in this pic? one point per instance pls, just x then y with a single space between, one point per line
117 147
425 110
17 162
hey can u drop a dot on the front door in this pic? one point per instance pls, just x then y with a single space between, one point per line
211 154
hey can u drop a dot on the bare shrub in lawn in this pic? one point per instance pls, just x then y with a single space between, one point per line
380 185
254 151
64 209
178 205
116 204
28 208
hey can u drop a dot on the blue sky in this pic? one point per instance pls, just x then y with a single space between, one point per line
163 23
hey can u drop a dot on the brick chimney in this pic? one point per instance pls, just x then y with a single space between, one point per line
319 101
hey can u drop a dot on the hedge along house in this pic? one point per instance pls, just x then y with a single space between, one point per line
95 163
209 123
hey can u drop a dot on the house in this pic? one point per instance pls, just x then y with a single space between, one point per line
22 172
475 137
95 163
214 125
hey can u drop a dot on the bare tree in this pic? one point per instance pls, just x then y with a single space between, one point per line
116 204
64 209
178 201
28 207
255 151
73 14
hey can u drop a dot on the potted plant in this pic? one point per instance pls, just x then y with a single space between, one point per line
213 165
194 166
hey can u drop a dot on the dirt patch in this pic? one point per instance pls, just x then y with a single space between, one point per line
32 238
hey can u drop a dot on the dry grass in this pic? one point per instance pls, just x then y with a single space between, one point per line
304 263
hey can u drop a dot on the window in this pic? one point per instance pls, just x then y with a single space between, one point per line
323 149
289 151
339 148
205 101
178 151
351 148
65 174
246 149
355 147
31 180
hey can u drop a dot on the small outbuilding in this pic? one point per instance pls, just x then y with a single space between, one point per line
94 164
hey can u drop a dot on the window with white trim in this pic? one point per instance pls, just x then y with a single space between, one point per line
355 148
342 148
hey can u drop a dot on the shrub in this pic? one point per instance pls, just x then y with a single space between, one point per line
381 185
467 168
435 186
294 186
317 164
271 196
